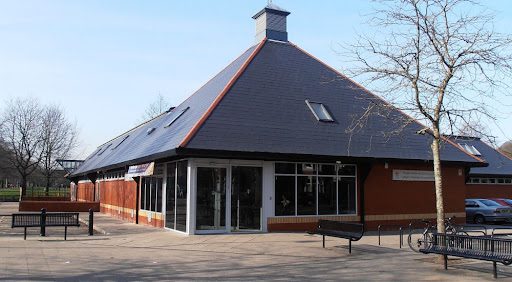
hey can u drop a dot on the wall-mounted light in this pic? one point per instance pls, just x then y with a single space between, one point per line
386 165
460 172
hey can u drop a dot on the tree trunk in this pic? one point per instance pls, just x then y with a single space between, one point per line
23 186
47 188
438 181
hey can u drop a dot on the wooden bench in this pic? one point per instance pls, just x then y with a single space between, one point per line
345 230
473 247
43 220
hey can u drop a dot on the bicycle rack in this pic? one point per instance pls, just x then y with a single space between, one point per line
400 230
472 227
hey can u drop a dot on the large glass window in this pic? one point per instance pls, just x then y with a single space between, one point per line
181 196
346 195
151 194
314 189
327 195
211 198
159 186
152 188
170 204
176 194
143 194
306 195
246 189
285 195
285 168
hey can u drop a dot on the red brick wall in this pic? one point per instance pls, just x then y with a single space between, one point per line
118 199
85 192
489 191
398 202
383 195
58 206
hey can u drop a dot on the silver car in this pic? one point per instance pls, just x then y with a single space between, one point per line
482 210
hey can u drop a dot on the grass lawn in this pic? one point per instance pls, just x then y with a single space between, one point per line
9 192
35 191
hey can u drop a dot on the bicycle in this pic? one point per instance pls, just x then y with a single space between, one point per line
422 238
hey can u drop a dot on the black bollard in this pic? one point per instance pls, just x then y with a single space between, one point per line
43 222
91 222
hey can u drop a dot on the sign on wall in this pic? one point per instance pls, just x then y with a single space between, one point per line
413 175
140 170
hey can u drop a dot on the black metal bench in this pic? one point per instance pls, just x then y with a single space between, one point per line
472 247
345 230
44 219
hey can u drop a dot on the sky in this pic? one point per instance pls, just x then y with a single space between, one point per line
104 62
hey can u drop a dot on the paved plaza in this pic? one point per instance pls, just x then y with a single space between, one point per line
124 251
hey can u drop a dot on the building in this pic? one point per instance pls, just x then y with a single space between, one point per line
273 143
493 181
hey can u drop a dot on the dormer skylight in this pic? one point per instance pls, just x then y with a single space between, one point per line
319 111
176 116
126 137
103 150
470 149
150 130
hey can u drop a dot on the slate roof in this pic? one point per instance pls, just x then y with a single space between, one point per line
257 105
499 164
163 140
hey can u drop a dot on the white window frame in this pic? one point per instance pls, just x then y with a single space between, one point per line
324 110
338 176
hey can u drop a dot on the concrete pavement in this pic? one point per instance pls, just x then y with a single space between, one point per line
129 252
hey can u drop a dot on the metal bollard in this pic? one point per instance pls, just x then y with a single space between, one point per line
378 229
401 236
43 222
91 222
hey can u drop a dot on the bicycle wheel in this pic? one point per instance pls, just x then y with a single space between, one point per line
418 240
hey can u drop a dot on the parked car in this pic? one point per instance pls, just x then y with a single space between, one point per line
483 210
503 202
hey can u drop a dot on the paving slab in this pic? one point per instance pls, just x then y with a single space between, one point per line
128 252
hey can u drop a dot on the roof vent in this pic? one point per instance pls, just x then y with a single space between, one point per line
271 23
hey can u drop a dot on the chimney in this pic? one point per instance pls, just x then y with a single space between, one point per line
271 23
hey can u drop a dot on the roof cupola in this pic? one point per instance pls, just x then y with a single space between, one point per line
271 23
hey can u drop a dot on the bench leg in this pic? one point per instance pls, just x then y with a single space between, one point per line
349 246
323 241
25 234
445 262
65 233
494 270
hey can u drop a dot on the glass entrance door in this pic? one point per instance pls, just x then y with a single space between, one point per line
246 189
211 198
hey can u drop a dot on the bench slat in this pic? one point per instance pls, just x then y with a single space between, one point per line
474 247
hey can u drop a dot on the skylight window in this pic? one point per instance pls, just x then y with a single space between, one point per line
320 112
470 149
176 116
103 150
150 130
126 137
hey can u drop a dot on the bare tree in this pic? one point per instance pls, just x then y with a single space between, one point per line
157 107
20 131
439 60
8 173
59 139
